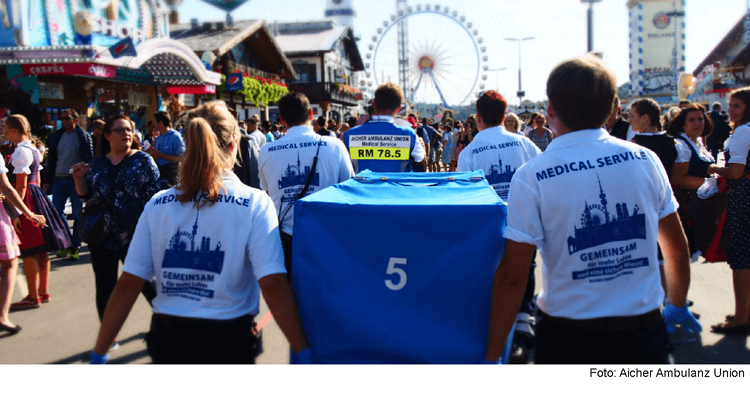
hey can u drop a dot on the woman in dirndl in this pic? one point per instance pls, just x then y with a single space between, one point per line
736 233
9 251
35 242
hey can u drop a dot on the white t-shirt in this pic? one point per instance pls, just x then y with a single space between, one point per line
592 204
739 145
499 154
259 138
684 153
285 165
207 261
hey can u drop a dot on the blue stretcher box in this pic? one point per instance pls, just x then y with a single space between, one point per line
397 268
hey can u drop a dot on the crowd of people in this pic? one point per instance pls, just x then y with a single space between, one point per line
210 208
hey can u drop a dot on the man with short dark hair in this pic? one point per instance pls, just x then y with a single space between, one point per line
167 149
499 153
67 146
597 234
243 127
716 140
380 145
253 130
299 164
616 125
321 127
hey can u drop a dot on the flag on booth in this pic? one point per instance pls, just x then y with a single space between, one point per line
234 82
124 47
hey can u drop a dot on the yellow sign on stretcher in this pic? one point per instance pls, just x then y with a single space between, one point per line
379 153
379 147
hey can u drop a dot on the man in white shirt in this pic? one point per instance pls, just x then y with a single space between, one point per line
499 154
299 164
597 234
494 150
255 133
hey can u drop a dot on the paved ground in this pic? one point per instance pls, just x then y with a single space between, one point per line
64 330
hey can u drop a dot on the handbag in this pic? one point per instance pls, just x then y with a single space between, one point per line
716 251
98 221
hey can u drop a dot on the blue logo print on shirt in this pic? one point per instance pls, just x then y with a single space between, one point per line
598 227
497 176
295 176
178 255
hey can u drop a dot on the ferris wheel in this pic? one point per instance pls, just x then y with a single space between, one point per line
434 53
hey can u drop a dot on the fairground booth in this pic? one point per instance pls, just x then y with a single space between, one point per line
97 57
724 69
244 52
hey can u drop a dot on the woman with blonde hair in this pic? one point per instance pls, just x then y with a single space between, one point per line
25 163
512 124
213 245
9 250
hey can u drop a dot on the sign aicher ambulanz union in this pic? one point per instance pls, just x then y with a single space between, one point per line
86 69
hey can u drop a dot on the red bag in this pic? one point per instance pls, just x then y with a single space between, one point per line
716 251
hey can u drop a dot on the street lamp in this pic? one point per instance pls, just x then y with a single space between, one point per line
497 76
520 93
590 22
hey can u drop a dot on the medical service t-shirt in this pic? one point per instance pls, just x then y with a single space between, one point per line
207 261
284 166
592 204
499 154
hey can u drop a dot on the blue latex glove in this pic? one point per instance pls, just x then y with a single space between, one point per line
98 359
674 315
305 356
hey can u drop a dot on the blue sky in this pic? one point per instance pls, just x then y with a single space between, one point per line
559 28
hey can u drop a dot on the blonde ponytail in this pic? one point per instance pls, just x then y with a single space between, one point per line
209 136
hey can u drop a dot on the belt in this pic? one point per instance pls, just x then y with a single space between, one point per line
172 320
609 324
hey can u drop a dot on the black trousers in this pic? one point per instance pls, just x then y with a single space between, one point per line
180 340
105 264
561 344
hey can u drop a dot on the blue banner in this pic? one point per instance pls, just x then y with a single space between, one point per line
397 268
124 47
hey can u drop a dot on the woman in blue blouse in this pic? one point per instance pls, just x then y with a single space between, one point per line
128 178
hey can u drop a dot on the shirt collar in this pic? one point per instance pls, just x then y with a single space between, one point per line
652 134
26 143
298 130
578 137
486 134
382 118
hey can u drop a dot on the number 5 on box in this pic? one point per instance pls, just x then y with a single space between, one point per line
392 269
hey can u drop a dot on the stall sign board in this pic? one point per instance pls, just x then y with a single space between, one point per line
83 69
138 99
53 91
372 294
